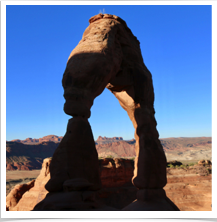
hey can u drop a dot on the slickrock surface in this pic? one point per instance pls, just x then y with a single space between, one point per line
37 193
190 188
114 173
16 194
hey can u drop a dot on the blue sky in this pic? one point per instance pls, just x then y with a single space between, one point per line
176 46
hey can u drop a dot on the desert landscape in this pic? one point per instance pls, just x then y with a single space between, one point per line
29 156
189 171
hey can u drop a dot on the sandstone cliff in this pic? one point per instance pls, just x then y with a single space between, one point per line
21 156
116 149
32 196
106 139
51 138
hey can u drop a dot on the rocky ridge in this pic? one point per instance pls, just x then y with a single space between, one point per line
23 156
107 139
51 138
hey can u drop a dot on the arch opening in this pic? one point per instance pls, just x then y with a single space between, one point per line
109 119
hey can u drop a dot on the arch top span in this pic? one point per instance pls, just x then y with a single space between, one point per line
109 56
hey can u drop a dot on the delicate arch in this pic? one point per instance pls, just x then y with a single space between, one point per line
108 55
112 58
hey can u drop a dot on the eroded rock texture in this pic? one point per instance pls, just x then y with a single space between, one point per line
108 55
33 194
115 174
189 188
16 194
75 157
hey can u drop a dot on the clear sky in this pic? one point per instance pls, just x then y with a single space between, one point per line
176 47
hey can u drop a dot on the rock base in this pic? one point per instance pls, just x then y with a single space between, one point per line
72 201
147 200
75 195
151 200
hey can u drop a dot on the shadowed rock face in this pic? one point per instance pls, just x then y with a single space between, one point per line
75 157
108 56
114 173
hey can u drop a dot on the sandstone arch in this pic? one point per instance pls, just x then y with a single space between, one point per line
109 55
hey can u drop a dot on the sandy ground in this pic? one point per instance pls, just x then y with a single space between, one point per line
19 177
190 191
21 174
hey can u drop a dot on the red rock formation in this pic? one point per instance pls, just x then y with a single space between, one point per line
113 172
16 194
109 56
21 156
75 157
10 167
16 153
117 149
37 192
16 140
204 162
52 138
184 187
108 139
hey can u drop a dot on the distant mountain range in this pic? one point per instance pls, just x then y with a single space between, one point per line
52 138
56 139
28 154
